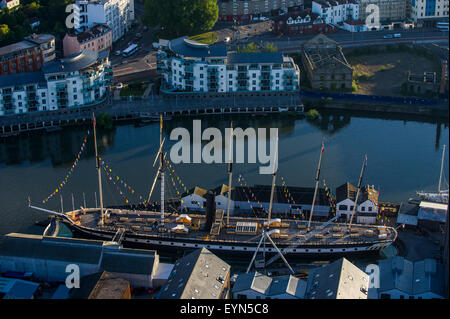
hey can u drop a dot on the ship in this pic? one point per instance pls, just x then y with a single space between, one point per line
229 236
441 196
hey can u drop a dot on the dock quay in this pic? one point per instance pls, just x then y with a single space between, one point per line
138 108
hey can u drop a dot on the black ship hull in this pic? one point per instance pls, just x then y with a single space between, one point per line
177 246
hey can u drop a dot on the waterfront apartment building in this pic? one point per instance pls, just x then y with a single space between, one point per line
390 10
336 11
117 14
244 10
27 55
428 11
9 4
188 66
97 38
78 80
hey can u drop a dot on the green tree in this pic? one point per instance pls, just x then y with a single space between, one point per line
181 17
249 48
269 47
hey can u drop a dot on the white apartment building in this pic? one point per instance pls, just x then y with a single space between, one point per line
423 10
336 11
117 14
189 66
78 80
9 4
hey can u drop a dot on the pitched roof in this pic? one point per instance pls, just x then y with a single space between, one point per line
198 275
411 278
128 261
269 286
345 191
338 280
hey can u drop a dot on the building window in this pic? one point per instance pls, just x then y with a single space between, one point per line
342 207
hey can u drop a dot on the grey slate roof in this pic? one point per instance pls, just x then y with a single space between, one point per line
74 62
338 280
412 278
196 276
260 57
270 286
184 47
21 79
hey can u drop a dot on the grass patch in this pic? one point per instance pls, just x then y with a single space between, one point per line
205 38
133 89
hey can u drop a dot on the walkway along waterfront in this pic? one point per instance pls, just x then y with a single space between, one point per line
132 109
251 103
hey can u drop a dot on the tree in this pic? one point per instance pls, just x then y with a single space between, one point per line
249 48
181 17
269 47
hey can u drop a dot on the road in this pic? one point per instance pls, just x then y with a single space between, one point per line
258 32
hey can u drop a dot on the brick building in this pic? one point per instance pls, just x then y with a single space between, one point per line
27 55
326 65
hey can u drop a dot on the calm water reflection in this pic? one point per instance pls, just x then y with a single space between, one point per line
403 156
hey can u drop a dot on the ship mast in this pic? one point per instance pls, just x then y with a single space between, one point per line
230 174
97 165
274 177
442 169
358 192
317 186
161 170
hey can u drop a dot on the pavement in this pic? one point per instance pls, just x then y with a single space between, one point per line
416 246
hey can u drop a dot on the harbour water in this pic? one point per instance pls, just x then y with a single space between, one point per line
403 156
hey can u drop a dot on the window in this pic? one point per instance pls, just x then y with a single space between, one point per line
343 207
363 209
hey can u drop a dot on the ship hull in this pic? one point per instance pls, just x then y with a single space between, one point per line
235 250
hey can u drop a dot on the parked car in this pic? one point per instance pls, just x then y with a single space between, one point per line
263 19
119 85
388 36
145 28
397 35
138 35
227 39
255 19
118 52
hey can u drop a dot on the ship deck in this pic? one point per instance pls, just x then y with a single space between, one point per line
239 229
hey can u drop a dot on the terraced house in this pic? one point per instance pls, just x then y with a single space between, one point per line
78 80
188 66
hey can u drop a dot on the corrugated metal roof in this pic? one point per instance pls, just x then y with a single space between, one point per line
128 261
